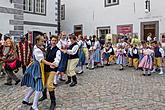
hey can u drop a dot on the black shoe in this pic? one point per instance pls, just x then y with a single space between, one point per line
17 82
121 69
73 84
8 84
91 68
62 79
27 103
31 108
144 74
74 78
149 74
53 100
69 80
80 72
42 98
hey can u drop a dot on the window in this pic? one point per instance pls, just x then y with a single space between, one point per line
103 31
40 6
62 12
35 6
28 5
111 2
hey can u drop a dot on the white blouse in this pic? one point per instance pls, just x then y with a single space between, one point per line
39 55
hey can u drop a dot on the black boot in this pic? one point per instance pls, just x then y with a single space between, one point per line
74 82
53 100
44 95
69 80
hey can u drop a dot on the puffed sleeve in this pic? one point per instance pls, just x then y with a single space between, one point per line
38 54
162 52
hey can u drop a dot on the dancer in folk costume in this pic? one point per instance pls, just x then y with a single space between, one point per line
158 57
106 53
53 55
24 50
97 49
34 77
121 53
81 62
146 63
62 44
91 56
141 50
86 46
135 56
112 58
130 55
73 59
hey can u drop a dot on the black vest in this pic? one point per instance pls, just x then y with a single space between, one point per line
112 53
75 55
50 56
157 52
136 55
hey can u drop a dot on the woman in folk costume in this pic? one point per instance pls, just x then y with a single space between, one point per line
146 63
141 50
97 49
81 62
34 75
73 59
53 55
158 57
121 53
62 44
8 56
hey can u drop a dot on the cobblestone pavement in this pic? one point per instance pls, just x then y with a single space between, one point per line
101 89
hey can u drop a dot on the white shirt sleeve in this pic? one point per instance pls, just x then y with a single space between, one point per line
58 58
135 51
95 45
59 44
162 52
39 56
110 50
73 51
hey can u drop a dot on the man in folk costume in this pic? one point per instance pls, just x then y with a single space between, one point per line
54 56
24 50
73 59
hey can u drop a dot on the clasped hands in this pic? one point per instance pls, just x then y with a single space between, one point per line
64 50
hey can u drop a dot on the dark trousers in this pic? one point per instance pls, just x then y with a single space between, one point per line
11 76
23 69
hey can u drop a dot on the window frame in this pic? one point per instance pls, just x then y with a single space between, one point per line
24 6
34 9
111 4
63 13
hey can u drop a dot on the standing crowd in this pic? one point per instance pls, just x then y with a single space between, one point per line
45 64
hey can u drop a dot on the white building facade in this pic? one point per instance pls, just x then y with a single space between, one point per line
28 16
102 17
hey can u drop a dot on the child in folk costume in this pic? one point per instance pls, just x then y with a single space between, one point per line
135 57
146 63
158 57
130 55
81 62
121 53
34 74
62 44
106 53
112 58
141 49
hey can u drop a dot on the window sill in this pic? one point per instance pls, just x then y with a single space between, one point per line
35 13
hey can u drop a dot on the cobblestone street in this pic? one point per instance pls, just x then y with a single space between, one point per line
100 89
